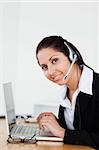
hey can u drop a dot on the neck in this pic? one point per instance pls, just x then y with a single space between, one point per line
74 79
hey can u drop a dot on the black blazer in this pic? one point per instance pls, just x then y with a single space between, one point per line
86 118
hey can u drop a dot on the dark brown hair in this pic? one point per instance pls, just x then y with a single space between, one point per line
58 43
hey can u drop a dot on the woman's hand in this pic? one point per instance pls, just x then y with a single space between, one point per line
48 120
45 114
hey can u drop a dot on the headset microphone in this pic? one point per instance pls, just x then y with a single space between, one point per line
73 61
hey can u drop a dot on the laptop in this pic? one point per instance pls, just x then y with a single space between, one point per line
22 131
15 130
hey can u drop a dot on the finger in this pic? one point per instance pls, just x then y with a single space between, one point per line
44 114
45 121
40 116
42 127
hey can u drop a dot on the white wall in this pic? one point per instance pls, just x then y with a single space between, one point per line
24 24
1 55
9 42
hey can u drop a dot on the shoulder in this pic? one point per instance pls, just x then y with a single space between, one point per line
61 110
96 83
61 107
96 78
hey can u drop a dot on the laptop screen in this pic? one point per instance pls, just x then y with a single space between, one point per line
9 103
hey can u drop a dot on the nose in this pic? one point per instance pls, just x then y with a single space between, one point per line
51 70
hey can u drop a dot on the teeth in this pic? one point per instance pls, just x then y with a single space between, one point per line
57 77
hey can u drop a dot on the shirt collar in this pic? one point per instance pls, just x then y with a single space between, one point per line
86 80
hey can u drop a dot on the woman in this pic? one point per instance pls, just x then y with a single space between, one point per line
78 121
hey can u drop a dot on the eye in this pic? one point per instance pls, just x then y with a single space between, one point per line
44 67
54 60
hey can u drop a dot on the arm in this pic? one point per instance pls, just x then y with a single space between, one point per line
81 137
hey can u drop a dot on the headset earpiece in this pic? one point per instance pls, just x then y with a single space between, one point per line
72 54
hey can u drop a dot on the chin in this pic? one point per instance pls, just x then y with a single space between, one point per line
60 83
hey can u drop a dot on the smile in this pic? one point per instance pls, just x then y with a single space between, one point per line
57 78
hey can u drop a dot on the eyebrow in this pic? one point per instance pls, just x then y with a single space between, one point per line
49 60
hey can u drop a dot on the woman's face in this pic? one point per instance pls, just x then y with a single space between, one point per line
54 65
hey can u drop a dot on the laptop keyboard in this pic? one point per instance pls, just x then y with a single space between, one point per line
24 130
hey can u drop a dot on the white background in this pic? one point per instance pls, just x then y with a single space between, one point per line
22 26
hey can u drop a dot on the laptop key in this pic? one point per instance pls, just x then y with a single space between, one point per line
24 130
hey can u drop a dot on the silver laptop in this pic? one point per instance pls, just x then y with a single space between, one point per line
15 130
18 131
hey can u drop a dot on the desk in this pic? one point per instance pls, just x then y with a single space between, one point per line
23 146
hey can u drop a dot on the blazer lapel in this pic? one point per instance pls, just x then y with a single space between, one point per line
80 109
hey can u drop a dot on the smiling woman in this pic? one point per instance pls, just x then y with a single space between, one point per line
78 118
53 64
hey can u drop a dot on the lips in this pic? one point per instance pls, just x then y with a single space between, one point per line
57 78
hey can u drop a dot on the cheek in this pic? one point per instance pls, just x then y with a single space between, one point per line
62 68
46 75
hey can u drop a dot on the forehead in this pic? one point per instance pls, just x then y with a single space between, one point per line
46 53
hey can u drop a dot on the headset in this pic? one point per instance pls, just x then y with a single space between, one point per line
73 58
